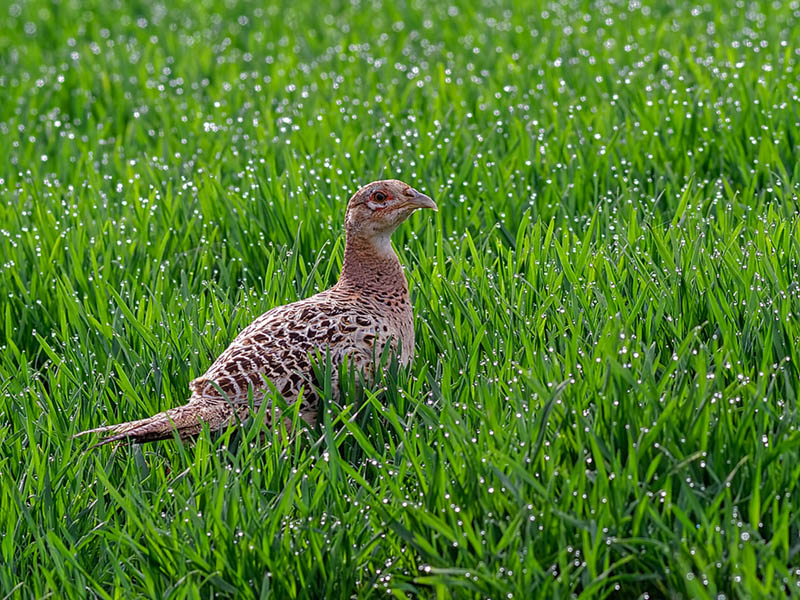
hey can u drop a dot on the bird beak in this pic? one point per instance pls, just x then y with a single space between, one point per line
419 200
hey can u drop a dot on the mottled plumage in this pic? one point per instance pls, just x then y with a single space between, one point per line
368 308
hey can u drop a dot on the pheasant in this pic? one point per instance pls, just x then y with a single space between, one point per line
365 310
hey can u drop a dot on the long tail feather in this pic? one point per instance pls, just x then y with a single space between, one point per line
186 420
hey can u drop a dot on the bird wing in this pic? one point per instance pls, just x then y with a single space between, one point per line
279 346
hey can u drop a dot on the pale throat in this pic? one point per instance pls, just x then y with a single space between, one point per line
381 245
371 262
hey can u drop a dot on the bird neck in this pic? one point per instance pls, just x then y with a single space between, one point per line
370 264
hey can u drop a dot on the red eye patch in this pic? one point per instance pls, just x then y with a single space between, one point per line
377 201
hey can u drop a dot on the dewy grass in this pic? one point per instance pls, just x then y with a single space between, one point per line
604 398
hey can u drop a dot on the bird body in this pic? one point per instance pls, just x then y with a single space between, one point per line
368 309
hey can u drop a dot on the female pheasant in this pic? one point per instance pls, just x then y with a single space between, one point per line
368 308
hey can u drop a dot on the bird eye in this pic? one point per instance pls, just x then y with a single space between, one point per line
379 197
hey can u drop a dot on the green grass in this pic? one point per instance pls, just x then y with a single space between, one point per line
604 398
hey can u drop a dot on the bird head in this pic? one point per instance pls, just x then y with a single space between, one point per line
376 210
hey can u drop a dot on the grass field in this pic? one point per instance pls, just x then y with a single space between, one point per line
604 398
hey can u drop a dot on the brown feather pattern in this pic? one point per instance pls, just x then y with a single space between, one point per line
367 309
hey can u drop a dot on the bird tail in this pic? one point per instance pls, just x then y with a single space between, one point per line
186 420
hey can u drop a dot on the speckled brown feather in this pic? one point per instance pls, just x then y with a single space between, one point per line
367 309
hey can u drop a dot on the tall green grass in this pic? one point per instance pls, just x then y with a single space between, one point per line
604 397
